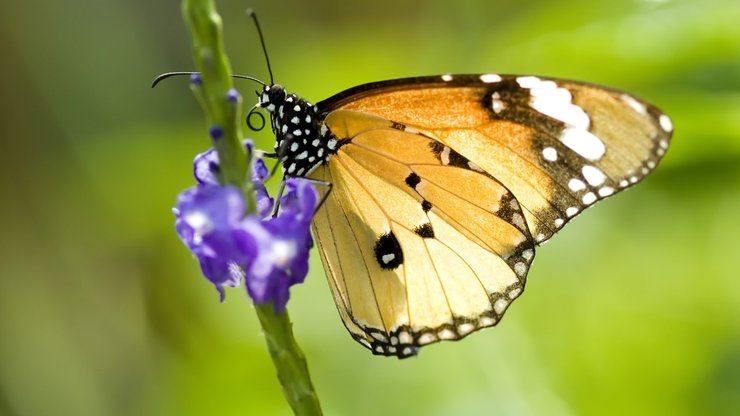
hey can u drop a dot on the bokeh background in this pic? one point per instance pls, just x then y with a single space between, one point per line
633 309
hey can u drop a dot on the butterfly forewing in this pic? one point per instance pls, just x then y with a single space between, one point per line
559 146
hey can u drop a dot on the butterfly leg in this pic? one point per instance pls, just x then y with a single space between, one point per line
329 186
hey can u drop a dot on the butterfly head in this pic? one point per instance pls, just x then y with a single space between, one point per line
272 97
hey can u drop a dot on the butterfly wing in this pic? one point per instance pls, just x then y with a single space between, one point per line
442 186
558 145
416 249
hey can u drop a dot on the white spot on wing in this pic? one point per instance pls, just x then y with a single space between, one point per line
465 328
445 156
486 321
594 176
387 258
589 198
576 185
549 153
500 305
533 82
489 78
665 123
496 104
606 191
583 142
639 107
364 342
380 337
556 103
520 268
446 77
446 334
518 220
426 338
571 211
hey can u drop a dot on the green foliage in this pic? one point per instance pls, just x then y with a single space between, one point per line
633 308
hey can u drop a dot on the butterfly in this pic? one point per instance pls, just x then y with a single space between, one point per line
439 189
443 186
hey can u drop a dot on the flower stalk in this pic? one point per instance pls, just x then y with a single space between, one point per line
222 106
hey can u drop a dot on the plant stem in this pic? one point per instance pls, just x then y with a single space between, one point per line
289 361
213 64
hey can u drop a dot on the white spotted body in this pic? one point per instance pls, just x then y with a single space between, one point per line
302 141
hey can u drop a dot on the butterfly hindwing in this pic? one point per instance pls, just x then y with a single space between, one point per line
420 245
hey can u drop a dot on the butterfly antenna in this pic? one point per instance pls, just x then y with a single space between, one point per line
253 15
183 73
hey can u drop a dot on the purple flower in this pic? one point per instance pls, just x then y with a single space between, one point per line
269 254
206 168
205 218
283 244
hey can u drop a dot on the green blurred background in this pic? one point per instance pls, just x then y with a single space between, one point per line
633 309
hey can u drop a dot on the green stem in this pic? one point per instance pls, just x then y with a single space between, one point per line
213 64
289 361
204 24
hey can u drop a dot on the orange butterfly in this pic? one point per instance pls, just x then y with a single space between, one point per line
442 187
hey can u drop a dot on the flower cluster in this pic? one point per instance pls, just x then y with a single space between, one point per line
268 252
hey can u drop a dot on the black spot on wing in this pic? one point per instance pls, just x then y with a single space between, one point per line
398 126
388 251
437 148
412 180
449 157
458 160
426 205
425 231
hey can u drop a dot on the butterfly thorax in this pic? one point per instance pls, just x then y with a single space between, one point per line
302 140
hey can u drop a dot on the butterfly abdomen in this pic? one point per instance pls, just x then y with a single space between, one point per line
302 140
